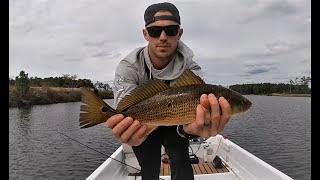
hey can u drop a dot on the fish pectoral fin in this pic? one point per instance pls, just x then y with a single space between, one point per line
150 129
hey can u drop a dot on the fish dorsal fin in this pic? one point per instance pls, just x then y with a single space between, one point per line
144 91
187 78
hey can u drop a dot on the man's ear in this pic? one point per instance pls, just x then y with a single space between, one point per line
180 32
145 34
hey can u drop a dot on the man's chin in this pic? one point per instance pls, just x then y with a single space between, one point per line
163 54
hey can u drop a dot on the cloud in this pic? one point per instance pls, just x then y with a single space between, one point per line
254 67
95 43
278 47
102 53
281 7
258 71
111 55
271 9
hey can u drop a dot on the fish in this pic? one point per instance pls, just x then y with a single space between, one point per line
155 103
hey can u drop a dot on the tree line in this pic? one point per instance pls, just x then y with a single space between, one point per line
67 81
297 86
23 82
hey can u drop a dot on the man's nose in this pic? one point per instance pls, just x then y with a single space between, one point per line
163 35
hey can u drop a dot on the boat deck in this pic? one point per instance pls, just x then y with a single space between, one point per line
202 168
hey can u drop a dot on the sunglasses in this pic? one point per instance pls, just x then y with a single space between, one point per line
155 31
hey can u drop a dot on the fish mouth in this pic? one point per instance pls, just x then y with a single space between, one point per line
243 106
240 110
247 106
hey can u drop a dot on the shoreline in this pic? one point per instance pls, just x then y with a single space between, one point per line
289 95
49 95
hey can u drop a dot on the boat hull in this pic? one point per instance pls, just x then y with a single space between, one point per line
240 163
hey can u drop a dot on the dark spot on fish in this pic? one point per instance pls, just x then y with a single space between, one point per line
169 105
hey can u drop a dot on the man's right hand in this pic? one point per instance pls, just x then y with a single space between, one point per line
126 130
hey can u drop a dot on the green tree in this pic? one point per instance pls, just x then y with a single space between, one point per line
69 80
84 83
22 84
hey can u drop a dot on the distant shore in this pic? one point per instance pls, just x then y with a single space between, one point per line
49 95
290 95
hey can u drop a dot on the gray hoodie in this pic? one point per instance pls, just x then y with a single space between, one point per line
131 70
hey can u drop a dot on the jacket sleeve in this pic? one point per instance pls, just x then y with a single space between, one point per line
125 80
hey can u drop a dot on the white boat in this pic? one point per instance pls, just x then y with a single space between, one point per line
237 163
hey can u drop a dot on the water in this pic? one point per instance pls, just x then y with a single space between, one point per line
278 131
37 151
275 129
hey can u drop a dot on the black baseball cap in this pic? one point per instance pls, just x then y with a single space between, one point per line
166 6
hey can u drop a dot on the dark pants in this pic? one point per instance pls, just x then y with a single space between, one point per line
149 154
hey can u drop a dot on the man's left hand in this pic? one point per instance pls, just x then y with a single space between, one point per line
209 123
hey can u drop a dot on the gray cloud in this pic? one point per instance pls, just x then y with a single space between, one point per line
258 71
254 67
281 7
274 9
111 55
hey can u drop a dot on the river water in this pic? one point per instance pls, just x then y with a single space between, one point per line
275 129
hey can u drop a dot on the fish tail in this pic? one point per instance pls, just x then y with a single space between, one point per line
95 110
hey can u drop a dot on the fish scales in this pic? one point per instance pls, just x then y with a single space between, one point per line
165 110
173 106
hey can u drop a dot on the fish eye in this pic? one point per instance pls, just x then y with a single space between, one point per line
104 109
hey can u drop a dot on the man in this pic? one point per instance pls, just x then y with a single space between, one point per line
165 57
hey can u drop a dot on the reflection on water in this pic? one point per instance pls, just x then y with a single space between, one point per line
276 129
24 113
24 121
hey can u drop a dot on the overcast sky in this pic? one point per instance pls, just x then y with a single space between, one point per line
234 41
